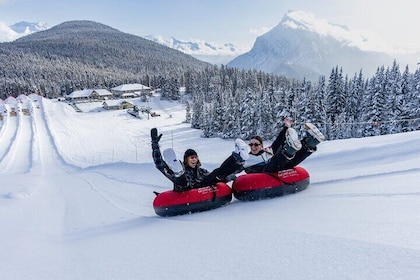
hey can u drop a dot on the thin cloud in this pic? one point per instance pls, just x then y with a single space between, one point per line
259 31
6 33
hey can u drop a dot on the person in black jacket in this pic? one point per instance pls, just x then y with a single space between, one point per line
190 174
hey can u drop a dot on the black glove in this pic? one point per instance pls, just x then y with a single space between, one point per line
155 138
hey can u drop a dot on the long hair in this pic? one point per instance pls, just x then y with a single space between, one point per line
186 162
187 154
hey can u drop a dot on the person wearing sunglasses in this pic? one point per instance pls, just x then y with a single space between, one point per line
189 174
285 152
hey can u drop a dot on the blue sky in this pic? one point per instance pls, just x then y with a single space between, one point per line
222 21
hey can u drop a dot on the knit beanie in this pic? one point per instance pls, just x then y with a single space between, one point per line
188 153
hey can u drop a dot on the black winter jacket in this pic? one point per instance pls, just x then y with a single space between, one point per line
191 178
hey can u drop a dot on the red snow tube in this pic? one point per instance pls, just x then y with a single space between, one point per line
172 203
257 186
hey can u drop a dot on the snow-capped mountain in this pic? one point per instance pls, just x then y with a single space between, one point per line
203 50
300 20
20 29
26 28
303 46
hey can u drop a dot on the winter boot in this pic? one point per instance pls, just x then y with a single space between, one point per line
292 144
313 136
173 163
241 149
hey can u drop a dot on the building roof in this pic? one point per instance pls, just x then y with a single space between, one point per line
10 100
102 92
80 93
22 98
88 92
130 87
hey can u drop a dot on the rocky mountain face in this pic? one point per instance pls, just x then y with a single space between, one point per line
301 46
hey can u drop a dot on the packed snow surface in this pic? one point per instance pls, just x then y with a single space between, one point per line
76 193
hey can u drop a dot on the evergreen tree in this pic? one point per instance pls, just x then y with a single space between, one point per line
247 110
411 101
198 111
187 112
355 104
375 103
319 114
216 105
231 127
394 99
335 102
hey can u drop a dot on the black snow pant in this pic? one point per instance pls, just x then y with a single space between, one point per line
300 156
231 165
279 160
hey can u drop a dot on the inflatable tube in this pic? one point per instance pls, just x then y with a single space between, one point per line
172 203
257 186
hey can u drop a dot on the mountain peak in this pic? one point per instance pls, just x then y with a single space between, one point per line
26 28
307 21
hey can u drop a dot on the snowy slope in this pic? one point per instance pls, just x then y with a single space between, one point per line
76 196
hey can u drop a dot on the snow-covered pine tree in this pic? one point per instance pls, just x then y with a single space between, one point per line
187 112
354 104
335 102
319 114
412 100
394 99
198 111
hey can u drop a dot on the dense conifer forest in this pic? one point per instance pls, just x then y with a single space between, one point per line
232 103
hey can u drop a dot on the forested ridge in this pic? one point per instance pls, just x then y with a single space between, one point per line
224 102
84 54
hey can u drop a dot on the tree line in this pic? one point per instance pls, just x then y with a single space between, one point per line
230 103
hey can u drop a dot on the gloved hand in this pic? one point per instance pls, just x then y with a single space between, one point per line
155 138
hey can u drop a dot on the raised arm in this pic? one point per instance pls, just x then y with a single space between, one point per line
180 182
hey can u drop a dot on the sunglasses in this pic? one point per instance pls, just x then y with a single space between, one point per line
254 144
